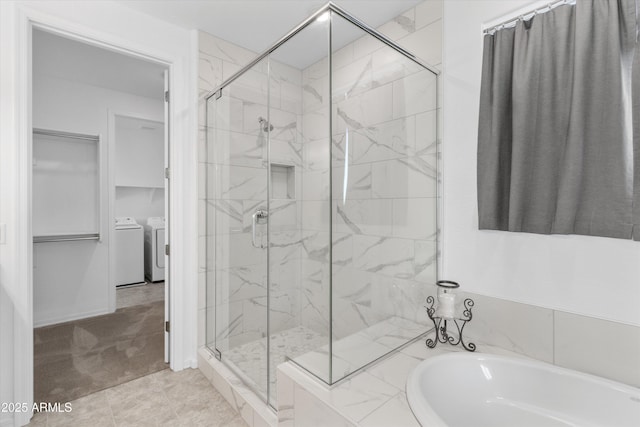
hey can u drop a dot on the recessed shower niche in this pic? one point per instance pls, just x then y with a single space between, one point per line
283 181
321 203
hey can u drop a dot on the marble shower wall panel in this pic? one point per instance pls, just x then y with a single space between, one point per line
383 173
315 211
388 205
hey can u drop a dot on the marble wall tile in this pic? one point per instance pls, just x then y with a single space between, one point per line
315 215
310 412
315 125
236 250
430 53
351 79
400 297
384 256
427 12
389 66
395 370
349 318
286 392
425 261
414 218
413 177
353 285
226 323
395 412
391 140
400 26
282 313
252 87
426 135
237 148
225 113
209 72
315 185
288 153
600 347
315 245
357 397
238 183
244 282
355 185
521 328
223 49
342 250
342 57
314 295
229 69
315 94
367 109
286 84
283 215
414 94
315 71
371 217
284 122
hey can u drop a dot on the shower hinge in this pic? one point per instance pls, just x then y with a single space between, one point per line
217 354
218 94
166 250
167 326
166 173
166 96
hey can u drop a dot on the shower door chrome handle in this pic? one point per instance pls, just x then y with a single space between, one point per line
259 217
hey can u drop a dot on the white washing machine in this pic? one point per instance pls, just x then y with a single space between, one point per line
154 249
129 251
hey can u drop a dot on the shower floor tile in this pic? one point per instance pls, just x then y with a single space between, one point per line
251 358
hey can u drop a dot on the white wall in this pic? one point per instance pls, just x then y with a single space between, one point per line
139 168
71 279
139 203
593 276
115 25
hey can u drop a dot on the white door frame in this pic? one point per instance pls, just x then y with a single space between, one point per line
183 207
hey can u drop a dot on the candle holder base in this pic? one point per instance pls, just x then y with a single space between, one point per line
441 326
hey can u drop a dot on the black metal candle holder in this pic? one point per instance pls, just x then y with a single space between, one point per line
441 324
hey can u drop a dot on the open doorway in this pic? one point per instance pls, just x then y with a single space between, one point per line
100 192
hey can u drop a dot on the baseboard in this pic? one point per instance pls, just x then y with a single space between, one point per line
68 318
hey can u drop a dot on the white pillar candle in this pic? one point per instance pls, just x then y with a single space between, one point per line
447 305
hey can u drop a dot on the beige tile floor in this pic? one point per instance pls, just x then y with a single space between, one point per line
165 398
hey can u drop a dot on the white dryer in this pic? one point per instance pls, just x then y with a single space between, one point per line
129 252
154 249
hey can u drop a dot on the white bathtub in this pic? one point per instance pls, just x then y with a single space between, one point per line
474 389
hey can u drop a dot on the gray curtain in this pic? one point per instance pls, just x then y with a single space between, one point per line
555 141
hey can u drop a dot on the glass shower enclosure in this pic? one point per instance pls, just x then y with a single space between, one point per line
321 203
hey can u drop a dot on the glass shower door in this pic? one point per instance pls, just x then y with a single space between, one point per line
237 221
